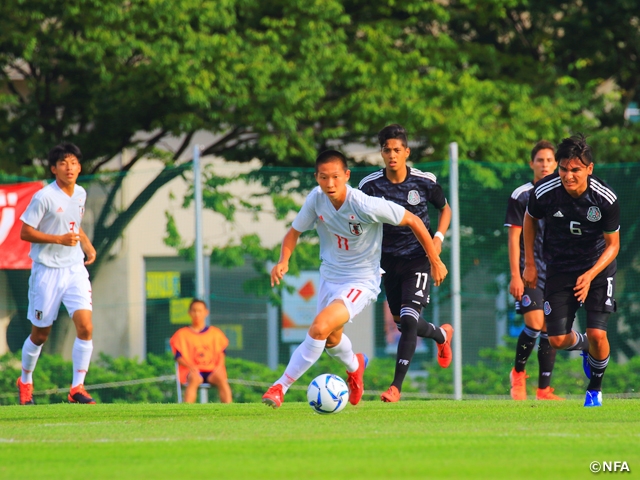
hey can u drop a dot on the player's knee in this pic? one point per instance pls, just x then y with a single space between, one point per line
194 380
39 337
85 331
596 336
559 342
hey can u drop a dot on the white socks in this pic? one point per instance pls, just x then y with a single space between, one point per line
307 353
81 357
30 354
344 352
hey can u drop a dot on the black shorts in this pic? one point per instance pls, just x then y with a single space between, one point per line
561 305
406 282
532 299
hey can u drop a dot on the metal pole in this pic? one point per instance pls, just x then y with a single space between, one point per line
456 310
199 256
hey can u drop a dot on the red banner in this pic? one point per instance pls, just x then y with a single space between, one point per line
14 253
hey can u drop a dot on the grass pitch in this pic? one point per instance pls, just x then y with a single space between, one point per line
406 440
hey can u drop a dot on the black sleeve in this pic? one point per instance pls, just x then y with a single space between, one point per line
611 217
436 196
366 188
534 208
515 213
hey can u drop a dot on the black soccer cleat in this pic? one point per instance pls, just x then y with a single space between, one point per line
79 395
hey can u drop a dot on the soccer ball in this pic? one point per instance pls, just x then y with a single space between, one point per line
327 393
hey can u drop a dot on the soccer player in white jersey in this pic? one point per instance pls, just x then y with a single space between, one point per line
349 224
59 246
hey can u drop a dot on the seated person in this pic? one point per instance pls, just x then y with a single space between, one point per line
199 351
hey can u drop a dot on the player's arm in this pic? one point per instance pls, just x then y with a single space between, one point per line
32 235
438 269
610 252
87 248
288 245
444 219
530 230
192 368
516 286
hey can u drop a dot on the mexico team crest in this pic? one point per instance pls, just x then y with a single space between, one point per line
355 228
526 300
593 214
547 308
413 198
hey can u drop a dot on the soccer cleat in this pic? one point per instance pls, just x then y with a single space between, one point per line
25 392
392 395
585 364
444 349
355 380
518 384
79 395
547 394
593 398
274 396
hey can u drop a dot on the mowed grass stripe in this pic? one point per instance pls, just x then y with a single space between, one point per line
411 439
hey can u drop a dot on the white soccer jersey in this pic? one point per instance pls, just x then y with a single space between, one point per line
351 237
54 212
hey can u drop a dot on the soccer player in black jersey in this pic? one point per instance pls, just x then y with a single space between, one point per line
529 300
407 269
581 242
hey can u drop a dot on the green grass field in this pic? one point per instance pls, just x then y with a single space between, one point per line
410 439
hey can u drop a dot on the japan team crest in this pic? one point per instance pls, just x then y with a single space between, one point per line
355 228
413 198
593 214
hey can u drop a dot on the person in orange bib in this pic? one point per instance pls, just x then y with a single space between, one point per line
199 351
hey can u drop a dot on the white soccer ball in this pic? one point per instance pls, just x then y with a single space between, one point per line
328 393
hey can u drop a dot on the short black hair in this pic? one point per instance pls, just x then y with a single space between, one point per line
197 300
542 145
575 147
330 156
62 151
394 131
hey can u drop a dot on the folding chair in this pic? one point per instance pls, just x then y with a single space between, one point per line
203 389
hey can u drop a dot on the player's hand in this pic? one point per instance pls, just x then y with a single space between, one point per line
91 257
278 271
438 272
530 276
438 244
70 239
583 284
194 371
516 287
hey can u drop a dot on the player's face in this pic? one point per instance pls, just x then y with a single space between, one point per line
574 175
543 164
198 313
395 155
66 170
333 178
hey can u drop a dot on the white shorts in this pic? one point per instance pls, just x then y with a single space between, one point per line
49 287
355 296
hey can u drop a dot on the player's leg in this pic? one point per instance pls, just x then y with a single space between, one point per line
77 300
218 378
546 362
560 309
44 303
191 390
600 304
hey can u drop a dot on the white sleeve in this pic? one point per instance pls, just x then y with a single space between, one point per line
306 217
35 211
379 210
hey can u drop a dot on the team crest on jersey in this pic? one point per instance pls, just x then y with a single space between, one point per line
38 314
593 214
81 211
547 308
413 198
355 228
526 300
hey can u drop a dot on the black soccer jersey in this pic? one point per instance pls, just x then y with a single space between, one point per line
418 189
515 217
573 239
